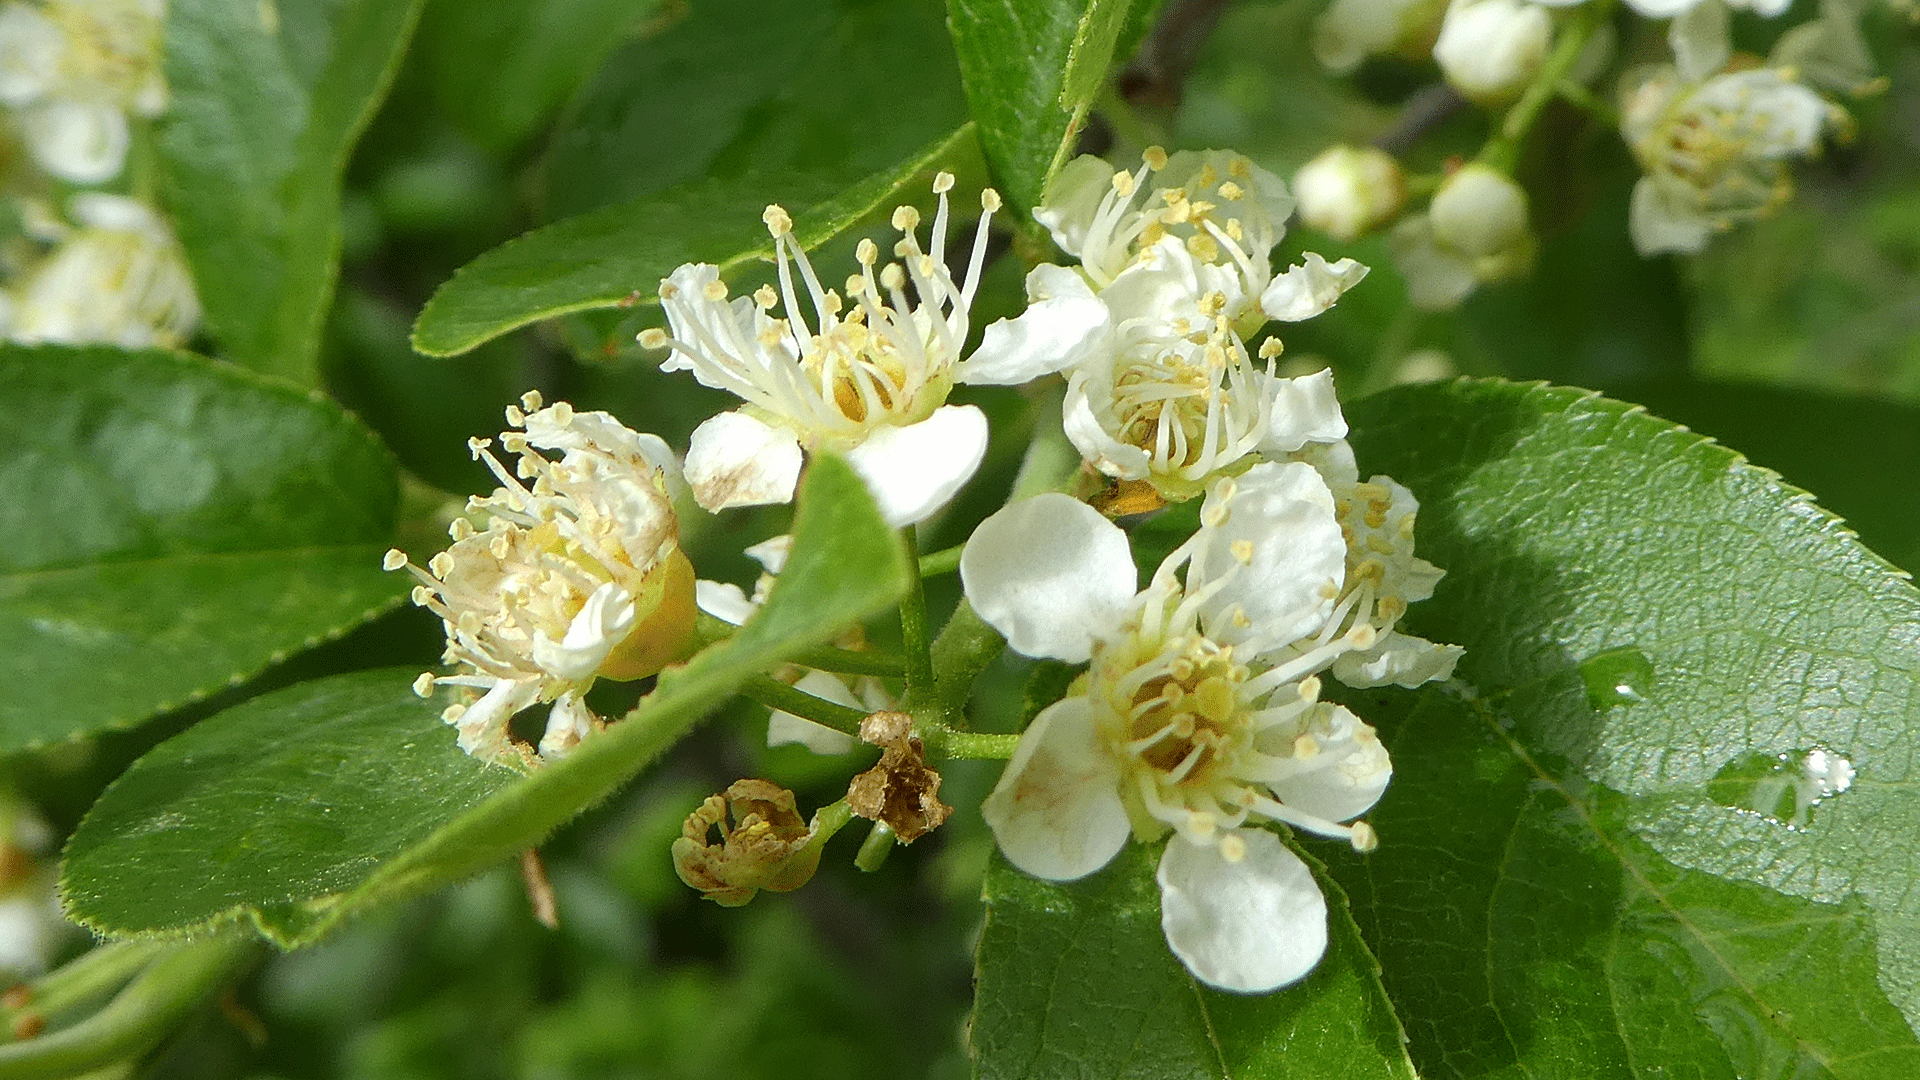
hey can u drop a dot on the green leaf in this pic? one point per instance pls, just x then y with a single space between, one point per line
301 807
1795 431
616 256
173 525
1076 979
1592 863
266 101
1031 72
502 68
758 87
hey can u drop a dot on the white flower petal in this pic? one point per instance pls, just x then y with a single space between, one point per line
1661 218
1357 771
568 723
1310 288
1248 926
483 726
77 141
1096 445
602 623
1282 546
735 460
1437 280
786 729
1072 197
1700 42
1489 49
772 552
913 471
30 49
1397 659
1056 811
1304 410
1064 324
724 601
28 932
1050 573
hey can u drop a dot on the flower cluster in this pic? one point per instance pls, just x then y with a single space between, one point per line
1200 712
1712 131
75 77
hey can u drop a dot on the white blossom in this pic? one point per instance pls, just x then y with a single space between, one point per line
866 375
117 277
73 70
1348 191
1199 713
1714 145
1475 230
576 576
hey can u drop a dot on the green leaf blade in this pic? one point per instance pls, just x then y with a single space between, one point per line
366 797
615 256
1076 979
1573 878
1031 71
266 102
175 526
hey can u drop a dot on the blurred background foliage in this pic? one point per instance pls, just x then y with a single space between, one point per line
1795 340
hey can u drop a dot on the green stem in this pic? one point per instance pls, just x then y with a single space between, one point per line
775 694
913 631
91 975
941 562
827 821
147 1011
1502 151
970 745
965 647
875 848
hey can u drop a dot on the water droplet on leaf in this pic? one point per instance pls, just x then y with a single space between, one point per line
1782 788
1617 677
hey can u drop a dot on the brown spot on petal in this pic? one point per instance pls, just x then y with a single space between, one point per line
901 790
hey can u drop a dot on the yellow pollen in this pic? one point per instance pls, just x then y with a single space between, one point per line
778 222
1155 157
423 686
1123 184
765 297
867 252
1242 550
652 338
905 218
1232 191
990 201
942 183
715 290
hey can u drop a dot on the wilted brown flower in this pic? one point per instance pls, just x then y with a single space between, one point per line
900 791
767 846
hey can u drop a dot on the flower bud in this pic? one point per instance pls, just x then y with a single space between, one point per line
1481 214
1490 49
766 847
1350 190
1349 31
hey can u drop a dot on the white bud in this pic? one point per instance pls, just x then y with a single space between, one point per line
1349 190
1480 214
1490 49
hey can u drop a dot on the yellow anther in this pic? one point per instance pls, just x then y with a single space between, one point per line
867 252
394 559
942 183
1232 848
440 564
531 401
892 277
460 529
562 415
1232 191
715 290
1242 550
1306 748
990 201
515 417
452 713
652 338
765 297
1239 168
778 221
1155 157
1123 184
1362 636
423 686
905 218
1363 838
1271 349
